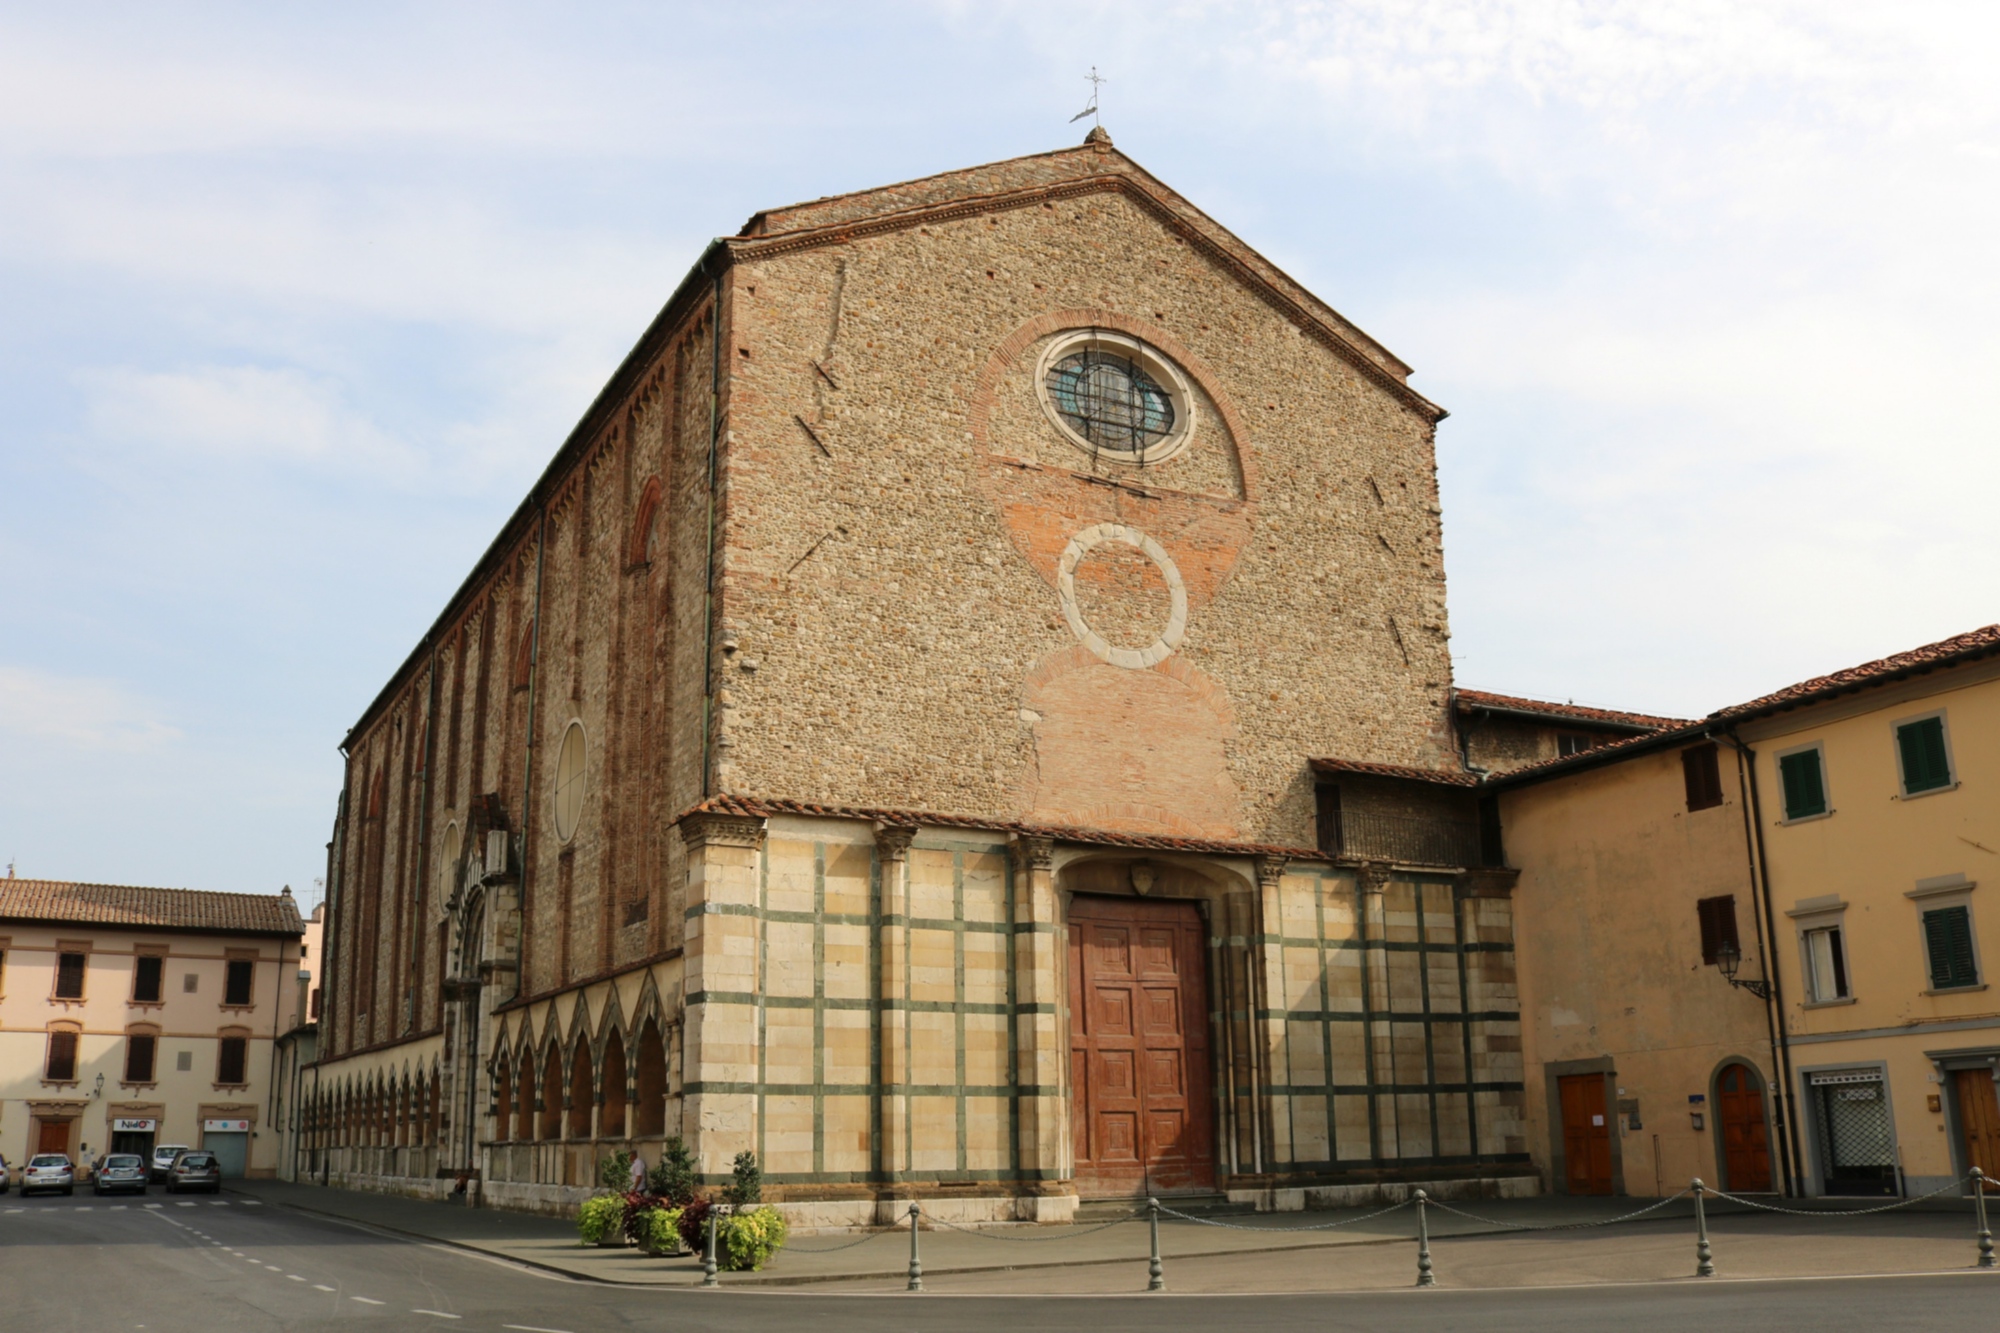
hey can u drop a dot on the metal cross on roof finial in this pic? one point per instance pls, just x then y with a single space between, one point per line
1097 81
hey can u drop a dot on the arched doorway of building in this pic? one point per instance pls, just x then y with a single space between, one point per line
611 1120
1141 1115
1742 1130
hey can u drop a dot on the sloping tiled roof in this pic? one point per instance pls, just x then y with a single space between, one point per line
1945 652
1447 777
762 807
164 909
1610 717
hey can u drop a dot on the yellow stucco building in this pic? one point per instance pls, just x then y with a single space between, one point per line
1753 947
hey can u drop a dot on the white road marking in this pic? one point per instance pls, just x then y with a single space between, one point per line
156 1205
439 1313
117 1207
295 1277
218 1203
273 1267
83 1208
253 1203
184 1204
367 1300
321 1286
17 1210
531 1328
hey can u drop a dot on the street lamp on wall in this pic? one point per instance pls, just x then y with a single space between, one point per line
98 1090
1729 958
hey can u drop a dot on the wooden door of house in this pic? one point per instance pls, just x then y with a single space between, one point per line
54 1137
1746 1145
1140 1111
1586 1134
1979 1120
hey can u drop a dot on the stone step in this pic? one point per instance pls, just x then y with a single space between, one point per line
1200 1205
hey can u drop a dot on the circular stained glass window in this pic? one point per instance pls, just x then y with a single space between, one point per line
1111 401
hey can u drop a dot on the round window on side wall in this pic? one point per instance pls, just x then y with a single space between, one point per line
569 782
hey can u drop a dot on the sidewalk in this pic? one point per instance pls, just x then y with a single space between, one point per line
1253 1253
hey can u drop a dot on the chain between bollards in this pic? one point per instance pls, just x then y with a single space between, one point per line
1979 1179
1425 1278
1704 1262
916 1264
1156 1274
708 1253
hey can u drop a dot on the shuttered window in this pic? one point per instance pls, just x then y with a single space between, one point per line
139 1051
69 976
1804 783
1925 764
1948 939
1703 772
236 988
232 1060
1718 926
147 972
62 1058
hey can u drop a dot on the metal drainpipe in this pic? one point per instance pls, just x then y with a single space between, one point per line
330 936
528 757
423 836
1774 1008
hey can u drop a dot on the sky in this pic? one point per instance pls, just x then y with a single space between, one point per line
296 301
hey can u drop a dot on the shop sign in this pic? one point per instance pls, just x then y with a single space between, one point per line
134 1126
226 1126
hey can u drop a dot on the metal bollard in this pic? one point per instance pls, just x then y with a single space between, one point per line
708 1253
1156 1275
916 1264
1425 1278
1704 1263
1979 1179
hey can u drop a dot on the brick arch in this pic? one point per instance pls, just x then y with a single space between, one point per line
639 546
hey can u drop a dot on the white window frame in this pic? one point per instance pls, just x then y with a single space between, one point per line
1809 915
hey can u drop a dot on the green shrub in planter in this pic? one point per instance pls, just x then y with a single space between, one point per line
745 1241
659 1230
600 1218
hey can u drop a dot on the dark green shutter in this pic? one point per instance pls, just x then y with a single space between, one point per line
1948 937
1805 792
1924 765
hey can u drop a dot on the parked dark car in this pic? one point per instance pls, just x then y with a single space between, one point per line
195 1171
120 1173
48 1171
163 1160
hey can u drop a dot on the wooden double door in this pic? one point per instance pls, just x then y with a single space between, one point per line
1141 1112
1746 1137
1586 1128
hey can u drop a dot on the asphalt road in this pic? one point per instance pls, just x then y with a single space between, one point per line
226 1265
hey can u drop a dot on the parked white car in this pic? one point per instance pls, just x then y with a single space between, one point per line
48 1171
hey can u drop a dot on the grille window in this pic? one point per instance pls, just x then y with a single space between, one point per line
69 976
236 991
1111 401
147 973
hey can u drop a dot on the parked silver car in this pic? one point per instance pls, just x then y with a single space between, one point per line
120 1173
48 1171
195 1171
163 1159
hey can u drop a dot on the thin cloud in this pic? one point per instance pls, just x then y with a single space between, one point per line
79 711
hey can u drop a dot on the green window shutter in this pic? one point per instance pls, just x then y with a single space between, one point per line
1805 792
1924 764
1948 937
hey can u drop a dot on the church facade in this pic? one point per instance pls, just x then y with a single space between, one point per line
967 714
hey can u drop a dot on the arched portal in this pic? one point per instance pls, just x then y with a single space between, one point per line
552 1089
611 1122
580 1098
649 1114
1742 1130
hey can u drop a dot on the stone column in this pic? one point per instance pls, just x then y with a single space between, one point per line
718 1119
1371 880
1267 982
1041 1037
892 953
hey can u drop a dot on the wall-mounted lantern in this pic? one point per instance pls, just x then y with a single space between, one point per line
1728 958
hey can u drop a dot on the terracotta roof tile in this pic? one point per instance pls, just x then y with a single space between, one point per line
1961 647
1446 777
1568 712
167 909
761 807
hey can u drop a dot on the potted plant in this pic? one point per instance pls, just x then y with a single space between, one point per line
601 1220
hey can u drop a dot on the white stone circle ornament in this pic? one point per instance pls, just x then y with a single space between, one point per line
1136 659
